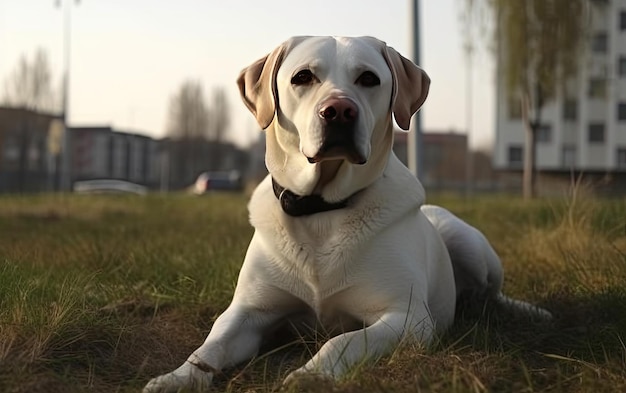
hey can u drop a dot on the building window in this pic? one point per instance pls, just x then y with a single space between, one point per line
11 149
621 158
599 42
597 88
596 132
515 156
570 109
544 133
622 20
621 111
621 66
568 158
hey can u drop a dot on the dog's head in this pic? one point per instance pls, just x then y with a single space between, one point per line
327 104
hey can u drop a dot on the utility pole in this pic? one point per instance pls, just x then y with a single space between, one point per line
469 52
66 7
414 140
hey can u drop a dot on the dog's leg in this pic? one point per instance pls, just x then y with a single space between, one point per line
477 266
234 338
342 352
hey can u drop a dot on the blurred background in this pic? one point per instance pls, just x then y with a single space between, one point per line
140 96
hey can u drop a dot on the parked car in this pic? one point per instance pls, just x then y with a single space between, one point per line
108 186
218 181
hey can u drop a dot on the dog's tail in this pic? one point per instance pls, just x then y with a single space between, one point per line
522 308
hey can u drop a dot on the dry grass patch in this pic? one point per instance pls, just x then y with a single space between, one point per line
99 294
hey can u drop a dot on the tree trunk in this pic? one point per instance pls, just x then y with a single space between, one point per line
531 127
528 176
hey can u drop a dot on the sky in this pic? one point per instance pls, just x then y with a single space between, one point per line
128 57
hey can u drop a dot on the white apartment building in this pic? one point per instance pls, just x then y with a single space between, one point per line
585 129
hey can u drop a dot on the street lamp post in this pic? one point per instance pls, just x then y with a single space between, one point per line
468 33
414 140
469 159
66 6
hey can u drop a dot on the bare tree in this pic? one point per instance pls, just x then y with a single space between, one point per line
29 87
219 118
187 126
30 84
538 46
188 113
197 131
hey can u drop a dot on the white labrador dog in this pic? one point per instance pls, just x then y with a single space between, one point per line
341 230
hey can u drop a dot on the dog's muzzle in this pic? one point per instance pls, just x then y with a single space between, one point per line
338 116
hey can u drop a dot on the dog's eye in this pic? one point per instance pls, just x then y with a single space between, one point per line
303 77
368 79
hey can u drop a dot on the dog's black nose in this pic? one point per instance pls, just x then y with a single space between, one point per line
338 110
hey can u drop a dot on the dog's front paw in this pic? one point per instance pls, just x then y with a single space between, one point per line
304 380
186 376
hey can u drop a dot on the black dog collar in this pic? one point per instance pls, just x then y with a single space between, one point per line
303 205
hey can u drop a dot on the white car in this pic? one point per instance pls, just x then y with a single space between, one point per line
108 186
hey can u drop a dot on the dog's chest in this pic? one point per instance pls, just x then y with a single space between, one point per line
321 249
328 260
319 257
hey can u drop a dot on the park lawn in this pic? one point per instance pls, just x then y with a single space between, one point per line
101 293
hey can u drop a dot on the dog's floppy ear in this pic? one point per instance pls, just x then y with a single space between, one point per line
257 82
410 87
257 86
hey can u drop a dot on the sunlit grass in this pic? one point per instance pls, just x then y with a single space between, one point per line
100 293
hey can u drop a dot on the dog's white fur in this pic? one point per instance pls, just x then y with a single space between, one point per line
384 268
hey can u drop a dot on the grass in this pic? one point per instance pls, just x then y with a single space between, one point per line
100 293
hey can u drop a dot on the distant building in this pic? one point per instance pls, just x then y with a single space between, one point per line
444 158
28 150
166 164
103 153
584 129
30 155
